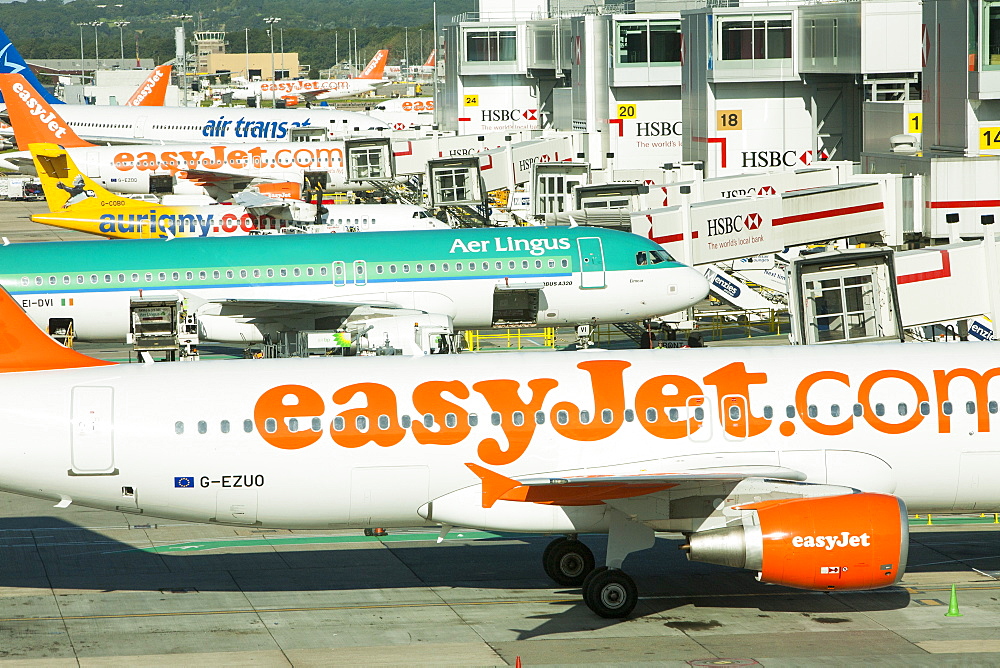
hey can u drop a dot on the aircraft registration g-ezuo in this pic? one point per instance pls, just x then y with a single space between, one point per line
798 464
221 169
243 287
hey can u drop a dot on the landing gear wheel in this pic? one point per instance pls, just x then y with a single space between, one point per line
610 593
568 561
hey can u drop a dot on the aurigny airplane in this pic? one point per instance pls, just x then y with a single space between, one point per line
242 288
797 463
320 89
219 169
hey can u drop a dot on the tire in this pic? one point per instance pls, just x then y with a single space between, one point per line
568 562
611 594
586 584
546 561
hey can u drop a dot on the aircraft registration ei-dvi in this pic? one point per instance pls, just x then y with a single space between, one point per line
797 463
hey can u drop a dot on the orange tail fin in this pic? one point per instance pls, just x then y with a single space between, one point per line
34 119
153 91
24 347
376 66
431 59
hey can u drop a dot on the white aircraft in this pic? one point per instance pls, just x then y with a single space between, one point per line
371 78
799 464
220 169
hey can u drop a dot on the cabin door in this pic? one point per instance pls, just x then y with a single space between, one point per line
92 431
591 262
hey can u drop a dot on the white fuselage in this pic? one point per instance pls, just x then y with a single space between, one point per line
101 437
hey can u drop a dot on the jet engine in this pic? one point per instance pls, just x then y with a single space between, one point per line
848 542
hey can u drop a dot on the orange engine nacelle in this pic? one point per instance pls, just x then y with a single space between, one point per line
854 541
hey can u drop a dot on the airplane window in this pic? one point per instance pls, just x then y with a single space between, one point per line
607 417
216 274
925 408
107 278
406 268
361 422
902 409
256 273
673 415
283 271
970 407
378 269
511 264
993 407
270 273
243 273
879 410
565 263
734 412
383 421
338 423
486 266
661 256
552 264
66 279
538 264
472 266
946 408
524 264
248 426
293 425
229 273
629 415
202 275
392 269
473 420
52 280
420 268
317 424
451 420
584 417
858 410
25 281
651 415
641 258
432 268
428 420
178 427
79 278
296 272
539 417
518 418
499 265
444 267
309 271
835 410
699 413
202 426
189 275
121 278
224 426
789 411
495 419
768 412
562 417
135 278
405 421
149 277
93 278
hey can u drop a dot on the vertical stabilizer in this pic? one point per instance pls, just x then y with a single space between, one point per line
67 188
376 67
34 120
11 62
153 91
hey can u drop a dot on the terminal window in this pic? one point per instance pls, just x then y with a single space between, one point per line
490 46
755 38
649 42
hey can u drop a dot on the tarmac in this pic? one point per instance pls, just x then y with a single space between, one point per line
81 587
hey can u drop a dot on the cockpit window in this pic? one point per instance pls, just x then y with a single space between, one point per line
661 256
642 258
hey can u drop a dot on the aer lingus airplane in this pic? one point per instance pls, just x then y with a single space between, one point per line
246 286
221 168
798 464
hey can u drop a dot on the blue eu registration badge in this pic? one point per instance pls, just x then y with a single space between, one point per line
186 481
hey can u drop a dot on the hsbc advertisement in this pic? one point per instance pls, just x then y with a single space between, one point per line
728 230
645 132
498 109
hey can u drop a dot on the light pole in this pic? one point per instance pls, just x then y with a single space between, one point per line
121 35
406 49
138 34
281 32
246 74
97 53
270 21
357 63
83 79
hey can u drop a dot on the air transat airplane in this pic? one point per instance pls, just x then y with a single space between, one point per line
242 288
796 463
320 89
219 169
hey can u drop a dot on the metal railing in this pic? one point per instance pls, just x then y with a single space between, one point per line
510 339
719 325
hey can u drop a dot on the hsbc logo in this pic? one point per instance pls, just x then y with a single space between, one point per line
753 221
766 190
724 225
509 115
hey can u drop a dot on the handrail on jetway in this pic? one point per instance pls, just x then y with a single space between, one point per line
718 325
515 338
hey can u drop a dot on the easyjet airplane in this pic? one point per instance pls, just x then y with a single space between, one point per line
799 464
244 287
371 78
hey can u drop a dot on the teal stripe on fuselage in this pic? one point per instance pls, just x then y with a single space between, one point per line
491 244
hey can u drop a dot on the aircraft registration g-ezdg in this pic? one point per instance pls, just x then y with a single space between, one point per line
242 288
796 463
220 168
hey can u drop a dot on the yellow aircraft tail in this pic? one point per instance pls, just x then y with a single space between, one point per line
67 188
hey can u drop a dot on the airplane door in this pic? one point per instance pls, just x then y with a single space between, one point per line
387 495
92 443
699 424
734 417
591 262
339 273
977 481
139 130
360 272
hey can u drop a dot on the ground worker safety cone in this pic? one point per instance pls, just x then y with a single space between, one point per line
953 605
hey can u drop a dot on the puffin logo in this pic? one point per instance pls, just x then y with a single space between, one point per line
753 221
845 539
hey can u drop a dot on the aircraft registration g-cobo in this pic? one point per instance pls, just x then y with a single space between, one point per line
242 288
797 463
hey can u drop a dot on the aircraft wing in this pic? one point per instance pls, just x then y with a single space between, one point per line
278 310
218 183
587 490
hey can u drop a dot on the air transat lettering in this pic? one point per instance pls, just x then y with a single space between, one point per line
615 387
243 128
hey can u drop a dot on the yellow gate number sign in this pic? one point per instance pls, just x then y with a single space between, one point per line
627 111
471 100
729 119
915 124
989 139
